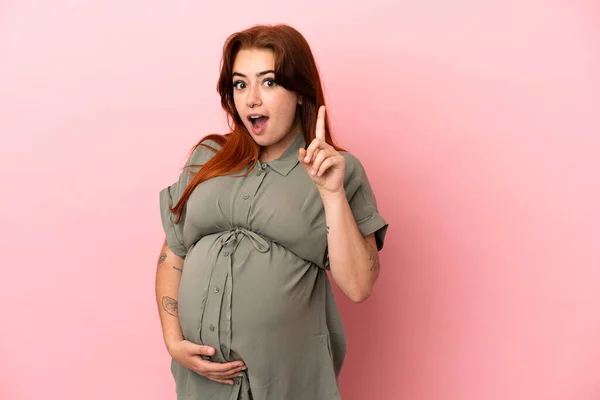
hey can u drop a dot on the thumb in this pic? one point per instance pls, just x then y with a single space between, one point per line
301 155
205 350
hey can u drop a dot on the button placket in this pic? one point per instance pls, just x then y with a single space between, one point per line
253 183
210 330
261 169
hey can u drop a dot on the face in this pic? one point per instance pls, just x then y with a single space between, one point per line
267 109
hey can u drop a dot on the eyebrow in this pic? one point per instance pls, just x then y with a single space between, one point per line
259 74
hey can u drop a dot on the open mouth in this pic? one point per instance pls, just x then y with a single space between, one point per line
258 121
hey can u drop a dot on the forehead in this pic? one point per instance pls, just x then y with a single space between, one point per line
251 61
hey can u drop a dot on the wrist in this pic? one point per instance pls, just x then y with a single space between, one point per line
171 342
333 197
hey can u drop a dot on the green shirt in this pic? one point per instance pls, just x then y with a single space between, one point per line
254 283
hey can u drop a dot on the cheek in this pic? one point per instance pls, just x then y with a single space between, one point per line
287 108
237 102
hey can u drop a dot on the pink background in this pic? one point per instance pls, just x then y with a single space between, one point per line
478 125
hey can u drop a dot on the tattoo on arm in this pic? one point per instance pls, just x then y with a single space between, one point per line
373 259
170 305
162 258
328 229
178 269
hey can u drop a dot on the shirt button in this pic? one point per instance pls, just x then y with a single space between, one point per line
211 327
217 290
246 196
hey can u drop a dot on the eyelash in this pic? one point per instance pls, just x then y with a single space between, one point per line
236 83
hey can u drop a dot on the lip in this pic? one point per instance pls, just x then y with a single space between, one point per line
255 115
257 131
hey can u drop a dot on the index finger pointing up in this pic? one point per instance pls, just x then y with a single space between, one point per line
320 132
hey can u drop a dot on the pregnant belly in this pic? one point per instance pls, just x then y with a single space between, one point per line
242 299
274 290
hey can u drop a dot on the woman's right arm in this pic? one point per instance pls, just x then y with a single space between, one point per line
186 353
168 276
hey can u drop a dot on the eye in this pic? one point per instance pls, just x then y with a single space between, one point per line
239 85
270 82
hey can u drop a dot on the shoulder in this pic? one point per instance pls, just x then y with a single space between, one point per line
357 184
206 149
354 167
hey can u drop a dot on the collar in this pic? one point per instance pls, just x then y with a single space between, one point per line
289 159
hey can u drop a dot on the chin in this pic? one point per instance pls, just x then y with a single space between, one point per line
261 140
264 139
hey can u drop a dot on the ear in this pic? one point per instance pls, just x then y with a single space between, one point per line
300 100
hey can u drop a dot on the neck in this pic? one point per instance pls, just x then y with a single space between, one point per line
274 151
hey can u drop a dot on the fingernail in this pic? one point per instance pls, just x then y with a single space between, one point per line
306 159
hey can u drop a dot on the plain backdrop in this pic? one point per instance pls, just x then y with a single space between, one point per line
477 123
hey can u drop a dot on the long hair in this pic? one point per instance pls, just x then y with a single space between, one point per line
295 70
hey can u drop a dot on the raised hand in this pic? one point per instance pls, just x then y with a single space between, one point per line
324 164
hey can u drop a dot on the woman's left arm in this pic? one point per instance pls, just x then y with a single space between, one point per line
353 258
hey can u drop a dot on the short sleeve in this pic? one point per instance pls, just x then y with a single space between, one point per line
170 195
363 202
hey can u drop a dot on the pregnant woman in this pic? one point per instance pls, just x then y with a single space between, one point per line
253 223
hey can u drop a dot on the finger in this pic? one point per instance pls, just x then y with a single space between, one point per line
224 376
315 146
305 166
215 367
325 165
301 154
310 150
320 132
319 158
227 374
203 350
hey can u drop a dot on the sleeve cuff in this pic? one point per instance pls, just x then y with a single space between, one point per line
173 236
374 224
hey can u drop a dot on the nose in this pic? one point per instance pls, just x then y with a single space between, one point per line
253 97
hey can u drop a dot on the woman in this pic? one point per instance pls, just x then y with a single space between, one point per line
252 225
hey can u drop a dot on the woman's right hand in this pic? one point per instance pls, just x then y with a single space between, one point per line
190 355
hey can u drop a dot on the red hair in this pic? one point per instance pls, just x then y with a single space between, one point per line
295 70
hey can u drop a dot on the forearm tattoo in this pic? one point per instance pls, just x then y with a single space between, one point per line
373 259
170 305
162 258
178 269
